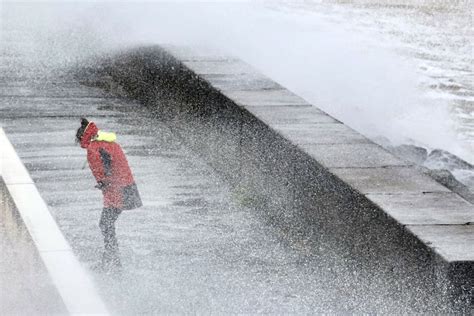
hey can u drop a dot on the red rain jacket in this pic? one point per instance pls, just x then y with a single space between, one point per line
110 168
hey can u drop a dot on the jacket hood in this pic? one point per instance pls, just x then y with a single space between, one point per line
90 132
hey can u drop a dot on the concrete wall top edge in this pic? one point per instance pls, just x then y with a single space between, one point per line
434 208
277 115
433 213
73 283
455 243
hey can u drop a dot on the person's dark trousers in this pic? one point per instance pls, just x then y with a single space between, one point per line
111 255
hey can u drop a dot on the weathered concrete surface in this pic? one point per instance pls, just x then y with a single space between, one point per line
315 134
274 115
240 82
451 241
257 98
358 155
377 180
229 67
314 176
431 208
25 287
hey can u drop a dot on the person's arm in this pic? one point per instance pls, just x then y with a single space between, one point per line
100 162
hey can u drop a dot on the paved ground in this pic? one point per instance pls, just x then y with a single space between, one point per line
192 248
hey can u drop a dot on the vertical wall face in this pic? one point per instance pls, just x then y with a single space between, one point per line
21 198
309 206
25 286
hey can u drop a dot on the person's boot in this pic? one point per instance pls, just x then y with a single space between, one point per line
111 261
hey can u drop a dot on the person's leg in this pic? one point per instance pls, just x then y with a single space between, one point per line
107 226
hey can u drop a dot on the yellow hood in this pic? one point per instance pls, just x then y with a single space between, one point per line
105 137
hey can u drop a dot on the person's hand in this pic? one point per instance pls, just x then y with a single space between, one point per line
101 185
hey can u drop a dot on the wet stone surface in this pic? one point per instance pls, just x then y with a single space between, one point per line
353 155
456 242
403 180
307 135
230 82
305 114
264 97
229 67
434 208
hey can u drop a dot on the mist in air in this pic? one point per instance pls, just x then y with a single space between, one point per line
400 75
398 71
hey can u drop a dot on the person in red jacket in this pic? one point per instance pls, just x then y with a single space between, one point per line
114 177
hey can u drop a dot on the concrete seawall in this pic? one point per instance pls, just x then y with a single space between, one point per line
25 286
36 237
314 178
